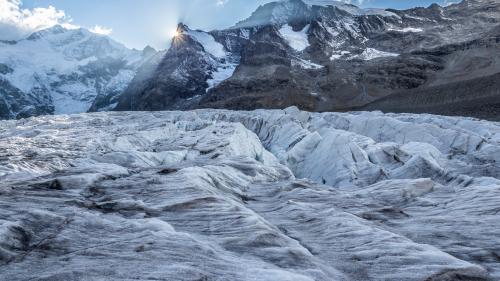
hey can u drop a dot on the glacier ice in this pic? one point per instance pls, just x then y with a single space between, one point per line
262 195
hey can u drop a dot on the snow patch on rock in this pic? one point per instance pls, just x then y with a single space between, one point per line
407 29
305 64
209 44
223 72
298 40
371 53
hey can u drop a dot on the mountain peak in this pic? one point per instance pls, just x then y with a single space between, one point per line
148 48
435 6
182 28
148 51
56 29
286 11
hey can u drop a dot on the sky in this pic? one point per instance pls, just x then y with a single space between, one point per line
138 23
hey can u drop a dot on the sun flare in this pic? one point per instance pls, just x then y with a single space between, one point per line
175 33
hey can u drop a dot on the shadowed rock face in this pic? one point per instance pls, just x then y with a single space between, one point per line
467 86
264 195
324 57
453 99
16 104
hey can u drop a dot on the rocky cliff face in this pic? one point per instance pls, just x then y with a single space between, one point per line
323 55
59 70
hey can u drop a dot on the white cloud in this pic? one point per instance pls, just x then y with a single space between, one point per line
354 2
221 2
16 22
101 30
449 2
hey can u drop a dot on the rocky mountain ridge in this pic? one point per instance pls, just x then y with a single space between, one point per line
324 56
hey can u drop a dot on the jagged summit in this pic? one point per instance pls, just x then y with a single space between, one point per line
149 51
195 63
181 28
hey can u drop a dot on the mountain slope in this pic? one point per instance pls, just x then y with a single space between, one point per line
60 70
326 55
467 86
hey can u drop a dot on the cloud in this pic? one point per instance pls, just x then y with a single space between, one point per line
354 2
221 2
449 2
15 22
101 30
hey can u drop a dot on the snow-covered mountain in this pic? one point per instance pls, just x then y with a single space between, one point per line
320 55
61 70
266 195
328 55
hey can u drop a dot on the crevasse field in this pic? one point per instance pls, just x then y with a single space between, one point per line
263 195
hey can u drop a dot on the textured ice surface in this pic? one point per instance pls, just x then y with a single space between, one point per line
263 195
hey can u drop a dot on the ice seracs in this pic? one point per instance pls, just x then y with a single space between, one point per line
262 195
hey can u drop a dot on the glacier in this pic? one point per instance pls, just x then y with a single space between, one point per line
260 195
